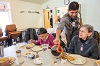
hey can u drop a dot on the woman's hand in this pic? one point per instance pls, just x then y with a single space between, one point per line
32 41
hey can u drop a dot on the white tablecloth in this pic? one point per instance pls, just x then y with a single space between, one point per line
11 51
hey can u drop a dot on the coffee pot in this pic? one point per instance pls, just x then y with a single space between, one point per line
56 50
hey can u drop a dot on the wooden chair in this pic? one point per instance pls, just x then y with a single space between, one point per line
11 32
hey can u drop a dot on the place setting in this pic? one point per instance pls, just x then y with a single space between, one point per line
76 59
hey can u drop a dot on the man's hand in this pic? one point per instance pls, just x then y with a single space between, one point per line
56 41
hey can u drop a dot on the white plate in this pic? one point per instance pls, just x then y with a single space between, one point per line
27 54
37 48
77 59
38 61
97 62
27 45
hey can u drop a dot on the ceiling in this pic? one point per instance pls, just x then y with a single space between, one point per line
36 1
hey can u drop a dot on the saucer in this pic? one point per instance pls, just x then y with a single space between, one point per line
38 61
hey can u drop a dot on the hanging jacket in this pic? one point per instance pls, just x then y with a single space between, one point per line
30 33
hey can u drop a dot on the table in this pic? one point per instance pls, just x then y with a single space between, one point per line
11 51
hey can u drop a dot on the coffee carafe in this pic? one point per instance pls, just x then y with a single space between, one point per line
56 50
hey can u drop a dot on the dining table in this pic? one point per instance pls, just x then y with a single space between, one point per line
11 51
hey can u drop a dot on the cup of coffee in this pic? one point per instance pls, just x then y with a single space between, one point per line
28 48
45 46
18 52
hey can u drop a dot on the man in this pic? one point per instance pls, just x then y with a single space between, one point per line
69 22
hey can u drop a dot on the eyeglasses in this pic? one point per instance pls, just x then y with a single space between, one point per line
82 31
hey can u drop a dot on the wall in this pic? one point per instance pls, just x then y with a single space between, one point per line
25 20
89 8
90 12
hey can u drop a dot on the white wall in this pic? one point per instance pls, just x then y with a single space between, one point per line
90 10
25 20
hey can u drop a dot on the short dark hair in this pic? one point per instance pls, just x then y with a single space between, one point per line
41 31
73 6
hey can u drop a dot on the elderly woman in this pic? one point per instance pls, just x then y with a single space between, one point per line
84 44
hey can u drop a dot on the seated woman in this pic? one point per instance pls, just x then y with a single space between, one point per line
84 44
43 37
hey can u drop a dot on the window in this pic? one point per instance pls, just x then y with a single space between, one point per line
5 15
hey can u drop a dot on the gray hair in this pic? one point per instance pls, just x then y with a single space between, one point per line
90 29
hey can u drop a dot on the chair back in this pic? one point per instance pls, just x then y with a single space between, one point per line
30 33
11 30
96 36
11 27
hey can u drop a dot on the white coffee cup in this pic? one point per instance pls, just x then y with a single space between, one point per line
45 46
63 61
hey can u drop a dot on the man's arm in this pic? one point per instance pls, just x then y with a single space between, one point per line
58 32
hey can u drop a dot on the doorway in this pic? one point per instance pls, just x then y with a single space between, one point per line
48 18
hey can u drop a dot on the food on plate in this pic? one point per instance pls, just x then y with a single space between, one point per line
37 48
76 59
27 53
12 59
98 62
30 45
3 59
71 58
40 46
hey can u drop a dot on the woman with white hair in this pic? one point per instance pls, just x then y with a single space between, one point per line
84 44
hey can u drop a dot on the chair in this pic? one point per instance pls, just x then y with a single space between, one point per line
12 33
2 38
